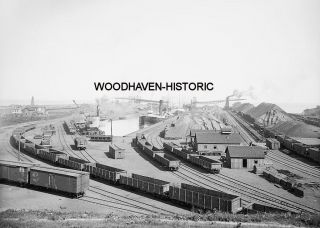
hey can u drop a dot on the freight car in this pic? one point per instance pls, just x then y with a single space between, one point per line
71 183
15 172
155 153
147 184
205 199
104 172
101 138
168 161
208 164
80 143
150 185
60 180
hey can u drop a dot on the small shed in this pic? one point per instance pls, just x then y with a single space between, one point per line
238 157
116 152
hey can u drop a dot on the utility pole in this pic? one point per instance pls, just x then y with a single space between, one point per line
19 148
111 132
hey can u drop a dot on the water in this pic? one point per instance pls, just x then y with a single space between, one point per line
121 127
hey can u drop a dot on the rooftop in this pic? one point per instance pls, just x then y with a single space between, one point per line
217 138
194 131
245 151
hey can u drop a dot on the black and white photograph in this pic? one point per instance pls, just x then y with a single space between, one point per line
145 113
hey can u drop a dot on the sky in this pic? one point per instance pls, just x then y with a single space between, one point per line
56 50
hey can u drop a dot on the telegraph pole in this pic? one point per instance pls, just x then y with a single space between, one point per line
111 132
19 148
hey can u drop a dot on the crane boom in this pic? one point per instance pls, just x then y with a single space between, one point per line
140 100
217 101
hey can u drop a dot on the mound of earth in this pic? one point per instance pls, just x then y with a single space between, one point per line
295 128
268 114
312 112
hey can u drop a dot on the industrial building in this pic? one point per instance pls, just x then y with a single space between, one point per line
215 141
238 157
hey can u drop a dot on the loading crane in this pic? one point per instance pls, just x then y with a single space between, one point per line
227 100
138 100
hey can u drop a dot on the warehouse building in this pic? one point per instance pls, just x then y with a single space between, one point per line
215 141
238 157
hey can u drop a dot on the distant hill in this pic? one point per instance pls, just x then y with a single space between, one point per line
312 112
295 128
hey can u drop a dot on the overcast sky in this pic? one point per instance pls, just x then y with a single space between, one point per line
56 50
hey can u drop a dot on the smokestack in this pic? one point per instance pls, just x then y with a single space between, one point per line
98 110
160 107
32 101
226 106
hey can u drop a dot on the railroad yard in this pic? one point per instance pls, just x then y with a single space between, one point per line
255 192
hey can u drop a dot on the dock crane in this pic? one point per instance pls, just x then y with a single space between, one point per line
138 100
227 100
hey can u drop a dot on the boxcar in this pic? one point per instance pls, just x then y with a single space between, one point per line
205 198
169 162
61 180
17 172
146 184
104 172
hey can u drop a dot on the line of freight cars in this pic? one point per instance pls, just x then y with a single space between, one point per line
211 165
69 182
188 195
284 181
166 160
310 152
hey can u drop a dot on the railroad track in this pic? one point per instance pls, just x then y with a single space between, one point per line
255 135
251 193
303 168
142 205
15 153
65 145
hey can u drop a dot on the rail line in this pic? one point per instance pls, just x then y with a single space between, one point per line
68 148
249 191
132 200
254 192
86 199
118 202
300 168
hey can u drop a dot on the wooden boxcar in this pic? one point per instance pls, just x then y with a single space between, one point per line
104 172
62 180
146 184
116 152
206 199
17 172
